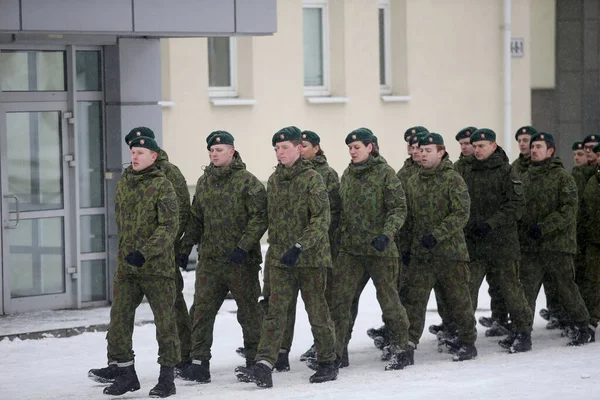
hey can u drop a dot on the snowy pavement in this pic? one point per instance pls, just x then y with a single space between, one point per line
56 368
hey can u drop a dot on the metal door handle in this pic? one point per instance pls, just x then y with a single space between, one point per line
12 196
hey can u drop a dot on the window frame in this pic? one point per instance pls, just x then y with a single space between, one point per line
231 90
386 87
325 89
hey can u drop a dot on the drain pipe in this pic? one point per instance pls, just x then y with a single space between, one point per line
506 30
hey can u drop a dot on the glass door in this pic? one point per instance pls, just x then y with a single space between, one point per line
34 165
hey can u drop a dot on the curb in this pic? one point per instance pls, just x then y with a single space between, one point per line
64 332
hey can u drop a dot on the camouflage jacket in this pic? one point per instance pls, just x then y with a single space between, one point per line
496 198
590 209
229 210
582 175
147 220
521 165
176 178
408 169
332 181
373 203
551 202
438 203
298 211
463 162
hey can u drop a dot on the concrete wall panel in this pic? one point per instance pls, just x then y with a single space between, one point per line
255 16
183 16
9 15
77 15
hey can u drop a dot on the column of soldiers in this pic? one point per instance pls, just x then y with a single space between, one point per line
432 226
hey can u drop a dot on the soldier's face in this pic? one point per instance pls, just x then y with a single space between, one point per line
415 152
430 156
540 151
465 147
142 158
308 150
579 157
221 155
483 149
359 152
592 158
524 147
287 153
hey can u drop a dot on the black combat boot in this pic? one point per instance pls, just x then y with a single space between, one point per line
182 366
507 341
401 359
312 363
466 351
310 353
545 314
434 329
126 381
583 335
166 385
240 351
327 371
259 373
521 344
498 329
375 332
106 374
283 362
197 371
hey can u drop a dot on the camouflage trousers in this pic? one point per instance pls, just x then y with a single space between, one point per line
283 284
128 293
184 323
350 275
558 269
213 281
505 276
453 279
588 277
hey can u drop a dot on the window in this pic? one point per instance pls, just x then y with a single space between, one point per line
222 67
316 48
385 64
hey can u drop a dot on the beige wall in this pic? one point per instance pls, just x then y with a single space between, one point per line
543 44
452 70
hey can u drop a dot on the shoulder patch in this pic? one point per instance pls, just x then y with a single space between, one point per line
517 186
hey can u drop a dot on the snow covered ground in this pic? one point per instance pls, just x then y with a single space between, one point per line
57 368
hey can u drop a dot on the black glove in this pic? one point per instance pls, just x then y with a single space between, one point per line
135 258
237 256
406 258
535 232
181 260
482 229
380 242
290 257
429 241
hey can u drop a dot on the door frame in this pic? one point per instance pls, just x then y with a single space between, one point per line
51 301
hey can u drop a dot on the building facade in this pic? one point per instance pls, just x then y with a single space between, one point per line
75 77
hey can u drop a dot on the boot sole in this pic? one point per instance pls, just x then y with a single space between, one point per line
244 378
99 379
320 380
162 396
135 388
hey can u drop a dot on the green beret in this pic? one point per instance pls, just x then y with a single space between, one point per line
596 148
465 133
414 139
483 134
543 137
577 146
591 139
285 134
137 132
431 138
145 142
525 130
219 137
311 137
362 134
415 129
